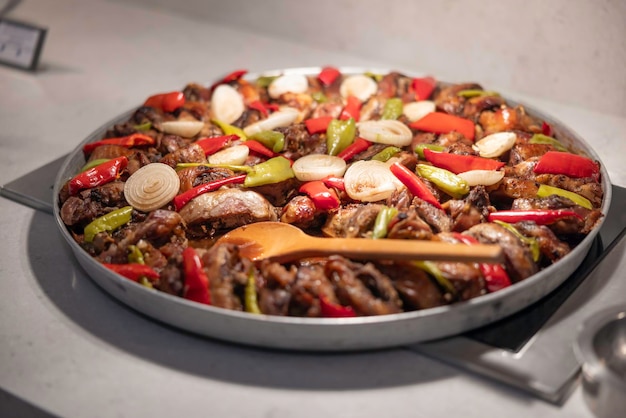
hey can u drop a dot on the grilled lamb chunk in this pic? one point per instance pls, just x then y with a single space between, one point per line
279 194
518 259
400 199
363 287
92 203
466 279
435 217
275 296
147 114
301 212
332 109
166 144
550 246
414 286
311 283
514 188
461 148
395 84
191 177
171 280
508 119
372 108
586 187
298 142
352 221
193 153
522 170
471 211
228 275
476 105
109 152
448 100
197 93
450 139
409 225
565 226
523 151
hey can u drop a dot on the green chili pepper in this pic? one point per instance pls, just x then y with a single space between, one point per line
432 269
94 163
386 154
143 127
274 170
265 80
135 255
144 281
339 135
381 224
532 243
545 191
108 222
446 180
250 295
419 149
319 97
393 109
475 93
244 168
544 139
376 77
271 139
229 129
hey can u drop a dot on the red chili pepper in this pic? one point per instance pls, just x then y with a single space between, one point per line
415 185
352 109
441 123
423 87
318 125
260 106
332 310
495 275
133 271
212 145
182 199
323 197
358 146
328 75
336 182
546 129
259 148
538 216
129 141
571 165
460 163
234 76
98 175
196 280
168 102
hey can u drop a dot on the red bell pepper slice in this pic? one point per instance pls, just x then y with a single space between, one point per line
318 125
441 123
196 280
182 199
495 275
571 165
129 141
98 175
212 145
423 87
358 146
133 271
415 185
332 310
328 75
546 129
168 102
323 197
538 216
259 148
263 108
460 163
336 182
352 109
229 78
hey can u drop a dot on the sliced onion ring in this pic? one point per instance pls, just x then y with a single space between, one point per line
227 104
359 86
370 181
284 117
151 187
317 166
184 128
288 83
417 110
390 132
235 155
495 145
482 177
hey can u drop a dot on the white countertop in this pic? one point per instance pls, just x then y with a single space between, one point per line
69 349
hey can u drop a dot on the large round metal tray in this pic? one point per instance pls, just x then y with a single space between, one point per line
330 334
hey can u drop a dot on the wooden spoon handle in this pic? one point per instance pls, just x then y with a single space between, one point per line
393 249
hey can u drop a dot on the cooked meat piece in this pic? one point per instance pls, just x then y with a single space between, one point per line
370 152
550 246
147 114
435 217
191 177
197 93
461 148
466 279
158 228
248 117
514 188
228 208
298 142
171 280
414 286
332 109
363 287
471 211
451 138
407 159
274 296
448 100
519 261
109 152
395 84
228 275
279 194
311 283
135 161
92 203
522 170
372 108
299 211
409 225
192 153
170 143
586 187
400 199
152 256
351 221
476 105
523 151
508 119
423 138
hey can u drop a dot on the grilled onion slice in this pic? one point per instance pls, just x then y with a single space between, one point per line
370 181
184 128
390 132
151 187
317 166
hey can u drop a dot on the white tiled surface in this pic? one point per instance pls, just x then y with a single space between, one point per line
70 349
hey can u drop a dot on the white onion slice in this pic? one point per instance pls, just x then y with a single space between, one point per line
236 155
227 104
184 128
317 166
151 187
370 181
495 145
359 85
288 83
390 132
417 110
482 177
284 117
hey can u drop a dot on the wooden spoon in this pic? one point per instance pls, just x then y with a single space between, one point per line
283 242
